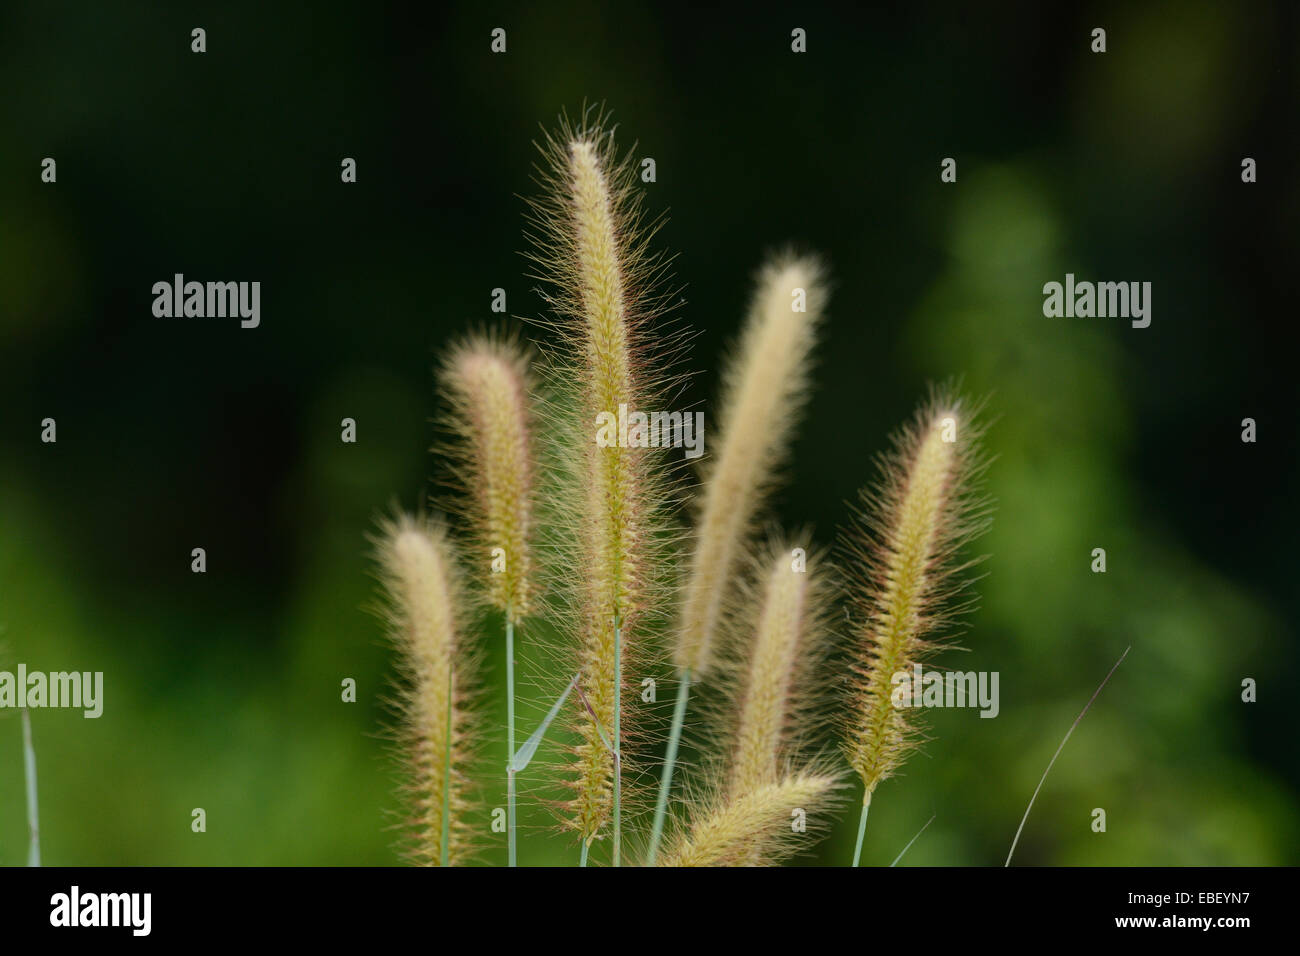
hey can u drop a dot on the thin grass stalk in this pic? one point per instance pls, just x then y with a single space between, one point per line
862 829
903 851
670 760
510 742
1051 763
445 853
29 775
618 746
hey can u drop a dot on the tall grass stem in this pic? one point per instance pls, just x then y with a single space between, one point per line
618 743
670 759
512 847
445 852
29 772
862 828
913 840
1050 763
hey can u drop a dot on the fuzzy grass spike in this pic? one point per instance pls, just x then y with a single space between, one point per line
488 383
903 550
424 605
763 390
759 821
775 702
590 246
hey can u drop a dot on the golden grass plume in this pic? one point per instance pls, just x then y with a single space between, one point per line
423 605
590 245
908 581
764 388
777 688
487 382
756 828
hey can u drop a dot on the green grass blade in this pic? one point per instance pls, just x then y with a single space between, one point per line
913 840
524 755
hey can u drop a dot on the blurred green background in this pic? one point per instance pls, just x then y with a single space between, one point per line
223 689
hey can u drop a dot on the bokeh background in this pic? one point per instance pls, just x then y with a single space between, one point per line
223 689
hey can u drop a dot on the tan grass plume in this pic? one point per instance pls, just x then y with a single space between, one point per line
487 382
424 606
590 245
903 552
754 828
778 691
764 388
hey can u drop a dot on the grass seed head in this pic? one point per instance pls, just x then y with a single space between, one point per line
488 383
764 388
779 660
423 606
755 829
908 581
605 290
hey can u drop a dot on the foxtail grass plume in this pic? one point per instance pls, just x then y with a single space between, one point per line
777 690
764 388
903 552
589 243
488 387
755 828
487 383
423 608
